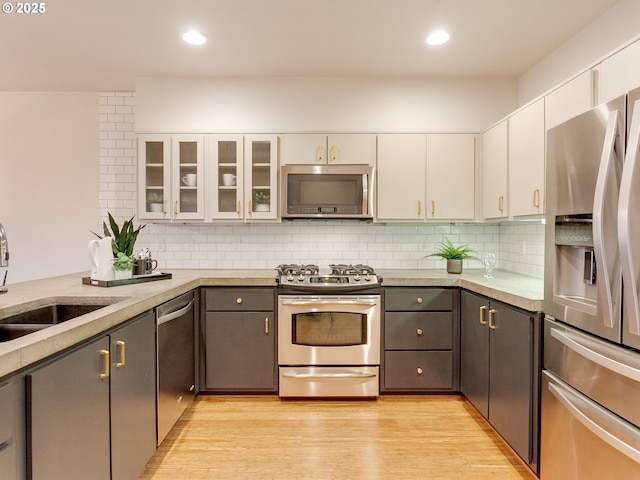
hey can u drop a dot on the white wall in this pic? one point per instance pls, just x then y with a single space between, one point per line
326 104
616 27
48 181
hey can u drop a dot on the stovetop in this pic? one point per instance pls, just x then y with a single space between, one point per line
338 277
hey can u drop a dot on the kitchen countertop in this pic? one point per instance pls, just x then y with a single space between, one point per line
126 301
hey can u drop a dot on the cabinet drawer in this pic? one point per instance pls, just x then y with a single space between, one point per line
237 299
418 331
418 299
418 370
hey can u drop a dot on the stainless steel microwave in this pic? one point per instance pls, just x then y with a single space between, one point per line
327 191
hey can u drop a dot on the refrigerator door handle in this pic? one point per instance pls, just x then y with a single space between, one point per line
573 402
628 233
608 283
572 342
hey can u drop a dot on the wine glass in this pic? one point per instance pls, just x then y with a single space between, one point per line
489 260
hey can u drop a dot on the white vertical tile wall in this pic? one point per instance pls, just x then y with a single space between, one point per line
520 245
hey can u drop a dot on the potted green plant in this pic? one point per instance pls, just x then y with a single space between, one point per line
454 255
124 239
262 201
154 201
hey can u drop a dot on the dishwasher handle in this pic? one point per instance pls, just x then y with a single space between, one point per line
175 314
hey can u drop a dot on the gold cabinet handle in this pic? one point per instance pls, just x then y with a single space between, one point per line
320 154
239 300
175 207
482 320
536 198
120 344
238 209
419 207
266 326
249 207
105 355
419 332
433 207
419 371
334 153
164 207
492 325
419 300
501 204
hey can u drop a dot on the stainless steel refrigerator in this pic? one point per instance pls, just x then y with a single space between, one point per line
590 426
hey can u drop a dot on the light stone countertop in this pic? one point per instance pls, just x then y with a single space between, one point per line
126 301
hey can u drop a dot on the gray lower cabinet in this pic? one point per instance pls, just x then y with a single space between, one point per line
12 450
500 369
421 340
91 412
238 353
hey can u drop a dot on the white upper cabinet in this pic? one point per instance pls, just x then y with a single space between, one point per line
261 177
320 149
527 161
171 177
451 176
401 177
567 101
495 143
619 73
225 177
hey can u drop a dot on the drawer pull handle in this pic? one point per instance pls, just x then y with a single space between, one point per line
482 320
105 355
266 326
419 332
419 300
239 301
492 325
419 371
122 346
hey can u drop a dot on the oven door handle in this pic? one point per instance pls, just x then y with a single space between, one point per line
369 303
354 374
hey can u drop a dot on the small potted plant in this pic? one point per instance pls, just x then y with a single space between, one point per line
454 255
154 201
262 202
124 239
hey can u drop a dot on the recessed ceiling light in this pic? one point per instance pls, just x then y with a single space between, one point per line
438 38
194 37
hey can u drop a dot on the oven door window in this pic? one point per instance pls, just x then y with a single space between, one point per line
329 329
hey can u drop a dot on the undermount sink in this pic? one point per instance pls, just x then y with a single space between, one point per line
40 318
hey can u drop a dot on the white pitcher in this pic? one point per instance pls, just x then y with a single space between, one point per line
101 256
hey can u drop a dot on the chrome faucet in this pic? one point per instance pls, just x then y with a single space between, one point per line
4 257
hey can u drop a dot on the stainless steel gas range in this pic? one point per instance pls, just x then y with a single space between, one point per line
328 331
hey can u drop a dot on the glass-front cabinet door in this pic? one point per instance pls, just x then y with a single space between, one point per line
261 176
154 177
225 174
187 177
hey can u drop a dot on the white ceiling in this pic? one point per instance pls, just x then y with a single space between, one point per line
106 44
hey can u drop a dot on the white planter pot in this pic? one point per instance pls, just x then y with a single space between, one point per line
122 274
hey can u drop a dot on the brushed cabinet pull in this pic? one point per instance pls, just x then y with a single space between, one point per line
501 204
122 346
433 207
419 371
536 198
320 154
164 207
175 207
105 355
334 153
249 207
419 332
238 209
266 326
419 207
492 325
239 300
419 300
482 320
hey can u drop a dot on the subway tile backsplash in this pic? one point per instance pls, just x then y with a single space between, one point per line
520 245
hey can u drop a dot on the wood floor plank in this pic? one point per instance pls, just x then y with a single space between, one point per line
393 437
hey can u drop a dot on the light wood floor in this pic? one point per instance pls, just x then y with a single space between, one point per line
393 437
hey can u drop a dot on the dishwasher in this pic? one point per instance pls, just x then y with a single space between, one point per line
176 360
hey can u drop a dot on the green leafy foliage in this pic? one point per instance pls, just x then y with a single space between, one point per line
262 197
449 251
123 262
124 238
